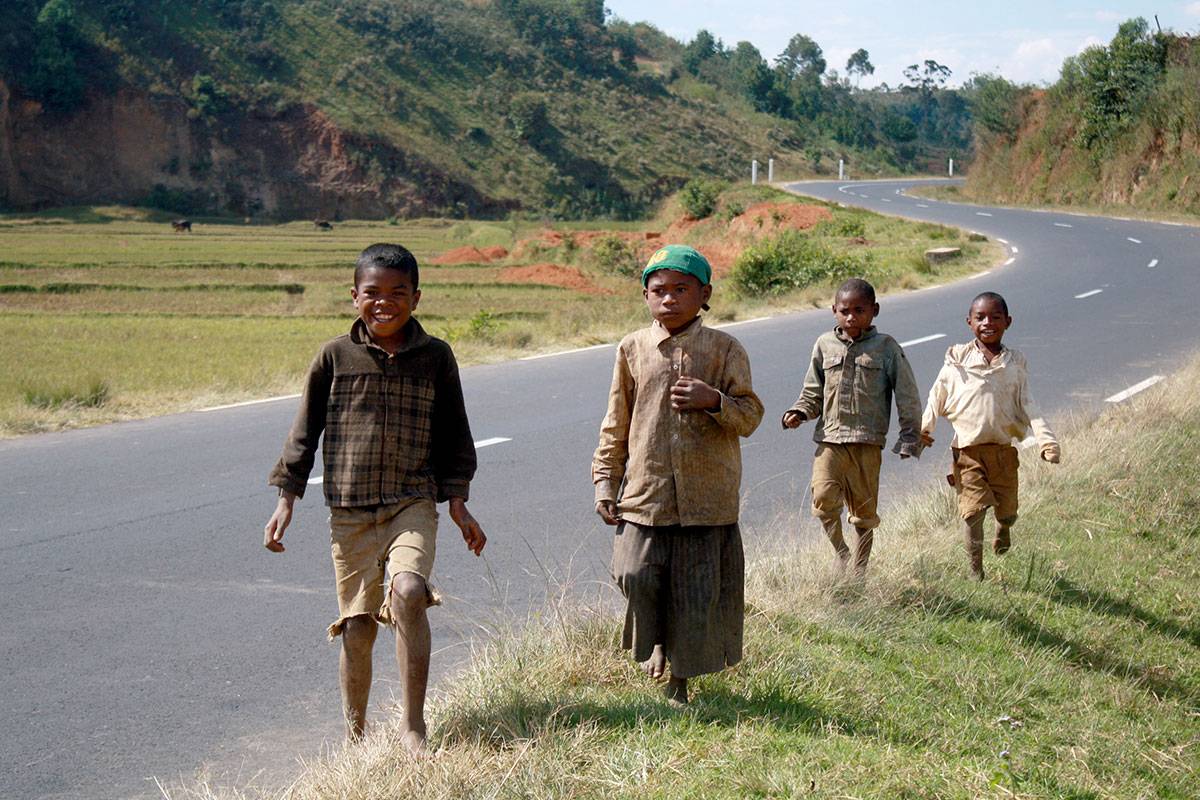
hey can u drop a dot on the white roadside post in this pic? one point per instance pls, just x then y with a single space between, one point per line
770 170
754 171
841 169
952 168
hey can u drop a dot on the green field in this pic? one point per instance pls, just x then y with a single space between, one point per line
106 314
1072 672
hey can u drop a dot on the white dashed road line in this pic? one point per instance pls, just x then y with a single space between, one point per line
250 403
1016 250
1002 241
886 199
1153 264
1137 387
1006 263
1063 225
1088 294
922 205
982 214
923 339
1131 239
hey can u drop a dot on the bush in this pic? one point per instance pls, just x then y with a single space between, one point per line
615 255
793 261
93 395
699 196
842 226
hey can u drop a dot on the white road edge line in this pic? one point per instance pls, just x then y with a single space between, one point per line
1002 241
923 339
249 403
563 352
922 205
978 275
1131 239
738 322
1063 225
886 199
492 441
982 214
1137 387
1153 264
1006 263
1088 294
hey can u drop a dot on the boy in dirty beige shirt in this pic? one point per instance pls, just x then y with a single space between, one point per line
848 390
667 473
983 389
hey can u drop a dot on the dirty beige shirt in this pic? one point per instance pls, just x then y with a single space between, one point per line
678 467
986 403
848 390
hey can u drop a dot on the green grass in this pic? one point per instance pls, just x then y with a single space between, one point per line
1073 671
171 322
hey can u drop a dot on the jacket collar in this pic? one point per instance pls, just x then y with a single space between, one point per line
415 335
867 334
661 334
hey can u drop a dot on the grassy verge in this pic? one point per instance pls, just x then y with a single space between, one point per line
1072 672
112 298
964 194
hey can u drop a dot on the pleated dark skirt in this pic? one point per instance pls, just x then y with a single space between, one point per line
685 588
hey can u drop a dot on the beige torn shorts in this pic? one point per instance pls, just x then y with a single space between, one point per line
847 475
985 475
369 545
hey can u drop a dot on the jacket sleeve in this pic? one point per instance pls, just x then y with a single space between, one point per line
812 396
608 464
453 448
908 405
1032 416
741 410
935 406
299 451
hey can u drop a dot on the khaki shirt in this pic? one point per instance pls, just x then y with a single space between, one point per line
678 467
986 403
848 391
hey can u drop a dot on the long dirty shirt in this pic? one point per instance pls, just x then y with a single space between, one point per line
395 425
676 467
848 390
986 403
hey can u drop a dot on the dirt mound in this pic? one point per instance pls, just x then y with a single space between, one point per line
772 217
645 241
552 275
470 255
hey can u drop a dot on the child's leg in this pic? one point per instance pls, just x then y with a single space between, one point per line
354 671
828 495
408 600
974 541
862 548
1004 534
833 529
639 567
862 498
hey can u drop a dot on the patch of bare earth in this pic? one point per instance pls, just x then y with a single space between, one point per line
470 255
552 275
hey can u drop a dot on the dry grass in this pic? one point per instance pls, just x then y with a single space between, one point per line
1073 672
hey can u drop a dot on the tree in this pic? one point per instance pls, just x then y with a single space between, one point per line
859 65
54 74
928 76
699 50
801 57
993 103
750 75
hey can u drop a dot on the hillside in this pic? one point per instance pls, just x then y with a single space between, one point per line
377 108
1120 127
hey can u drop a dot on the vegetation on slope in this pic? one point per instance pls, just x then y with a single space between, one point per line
1121 126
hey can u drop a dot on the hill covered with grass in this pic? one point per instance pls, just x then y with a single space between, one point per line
374 108
1121 127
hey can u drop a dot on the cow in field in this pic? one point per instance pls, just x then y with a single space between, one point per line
181 225
322 225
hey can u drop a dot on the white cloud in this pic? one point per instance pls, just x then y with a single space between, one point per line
1112 16
1192 9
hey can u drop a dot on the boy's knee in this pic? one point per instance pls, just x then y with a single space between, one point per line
1007 522
827 501
409 596
359 632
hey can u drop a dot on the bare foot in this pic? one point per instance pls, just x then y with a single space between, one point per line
656 665
414 743
677 690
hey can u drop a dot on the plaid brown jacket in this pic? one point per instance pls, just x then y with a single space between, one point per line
395 426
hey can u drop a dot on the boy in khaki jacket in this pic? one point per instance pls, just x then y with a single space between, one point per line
848 391
983 389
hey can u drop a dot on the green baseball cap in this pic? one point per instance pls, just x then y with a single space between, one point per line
680 258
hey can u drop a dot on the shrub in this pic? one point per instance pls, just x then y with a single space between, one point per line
615 255
699 196
842 226
793 261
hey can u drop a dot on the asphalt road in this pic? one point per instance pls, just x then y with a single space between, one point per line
148 635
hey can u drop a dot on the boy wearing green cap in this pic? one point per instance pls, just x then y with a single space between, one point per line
667 474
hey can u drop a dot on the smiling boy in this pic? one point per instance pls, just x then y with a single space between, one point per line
388 400
667 474
848 390
983 389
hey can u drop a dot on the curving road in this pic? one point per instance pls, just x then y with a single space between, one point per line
146 633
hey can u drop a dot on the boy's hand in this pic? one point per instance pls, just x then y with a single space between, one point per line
472 534
1051 453
607 509
695 395
926 439
277 524
793 418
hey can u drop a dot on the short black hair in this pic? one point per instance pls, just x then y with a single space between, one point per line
387 256
993 297
855 286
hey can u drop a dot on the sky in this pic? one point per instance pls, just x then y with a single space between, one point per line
1023 40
